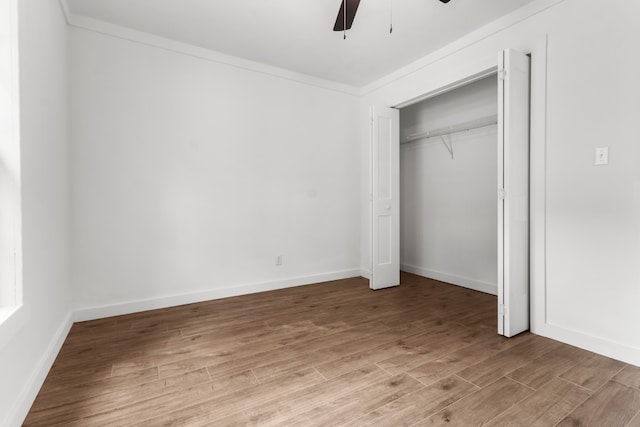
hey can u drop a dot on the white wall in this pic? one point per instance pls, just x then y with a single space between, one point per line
44 320
585 231
190 177
448 209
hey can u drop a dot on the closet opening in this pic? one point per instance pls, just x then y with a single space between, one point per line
448 186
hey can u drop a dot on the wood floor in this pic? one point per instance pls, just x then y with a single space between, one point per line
337 353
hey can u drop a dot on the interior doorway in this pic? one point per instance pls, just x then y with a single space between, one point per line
464 191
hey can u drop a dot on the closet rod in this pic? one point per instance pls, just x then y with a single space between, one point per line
460 127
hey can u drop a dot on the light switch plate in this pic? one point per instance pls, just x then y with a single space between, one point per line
602 156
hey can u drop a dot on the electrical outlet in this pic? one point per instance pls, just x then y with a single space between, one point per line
279 260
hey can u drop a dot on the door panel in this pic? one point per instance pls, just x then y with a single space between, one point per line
385 219
513 200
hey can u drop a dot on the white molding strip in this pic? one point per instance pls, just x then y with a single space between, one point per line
27 395
174 46
64 5
464 42
465 282
592 343
127 307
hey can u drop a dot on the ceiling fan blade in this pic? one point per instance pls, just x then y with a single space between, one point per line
352 7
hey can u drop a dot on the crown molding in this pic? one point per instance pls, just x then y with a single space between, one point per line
148 39
152 40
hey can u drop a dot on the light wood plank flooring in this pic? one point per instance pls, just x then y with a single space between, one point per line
337 353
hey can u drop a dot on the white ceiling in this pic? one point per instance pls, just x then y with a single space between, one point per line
297 34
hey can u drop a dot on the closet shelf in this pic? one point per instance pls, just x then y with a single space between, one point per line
457 128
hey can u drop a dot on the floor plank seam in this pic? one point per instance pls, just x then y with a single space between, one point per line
524 385
389 373
620 370
588 390
579 403
595 390
633 420
514 404
488 384
365 414
254 376
468 382
471 382
626 385
320 373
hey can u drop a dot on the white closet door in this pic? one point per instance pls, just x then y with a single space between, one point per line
385 189
513 200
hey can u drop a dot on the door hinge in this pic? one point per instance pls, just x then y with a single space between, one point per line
502 193
501 309
502 74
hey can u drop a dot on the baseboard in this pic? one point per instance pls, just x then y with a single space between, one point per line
128 307
28 393
465 282
592 343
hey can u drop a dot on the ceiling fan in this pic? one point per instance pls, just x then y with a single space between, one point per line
345 17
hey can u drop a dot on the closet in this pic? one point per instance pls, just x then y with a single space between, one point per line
463 177
448 182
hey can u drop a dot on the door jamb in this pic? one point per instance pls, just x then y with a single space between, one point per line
449 87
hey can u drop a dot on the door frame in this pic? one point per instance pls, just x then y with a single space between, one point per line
424 79
478 74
